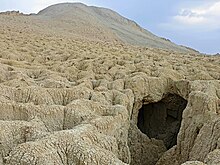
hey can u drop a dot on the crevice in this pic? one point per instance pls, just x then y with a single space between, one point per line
162 120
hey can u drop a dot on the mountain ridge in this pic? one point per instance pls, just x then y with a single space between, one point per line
128 31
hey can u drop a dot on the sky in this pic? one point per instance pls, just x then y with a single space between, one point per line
192 23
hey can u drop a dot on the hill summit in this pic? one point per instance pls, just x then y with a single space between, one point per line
89 20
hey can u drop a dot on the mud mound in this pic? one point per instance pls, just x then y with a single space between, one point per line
67 100
79 16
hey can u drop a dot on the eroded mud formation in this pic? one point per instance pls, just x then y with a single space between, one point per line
67 99
161 120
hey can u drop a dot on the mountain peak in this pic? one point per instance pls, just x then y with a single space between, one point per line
106 21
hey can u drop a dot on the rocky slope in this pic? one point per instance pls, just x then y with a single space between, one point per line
93 99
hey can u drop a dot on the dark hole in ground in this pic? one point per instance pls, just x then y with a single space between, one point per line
162 120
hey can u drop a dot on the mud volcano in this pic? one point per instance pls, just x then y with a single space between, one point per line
83 85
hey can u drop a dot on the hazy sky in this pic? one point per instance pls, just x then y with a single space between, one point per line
193 23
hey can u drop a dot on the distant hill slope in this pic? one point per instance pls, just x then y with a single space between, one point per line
102 23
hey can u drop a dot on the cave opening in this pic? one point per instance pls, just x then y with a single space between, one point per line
162 120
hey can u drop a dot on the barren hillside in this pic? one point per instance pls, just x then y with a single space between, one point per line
102 23
75 90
